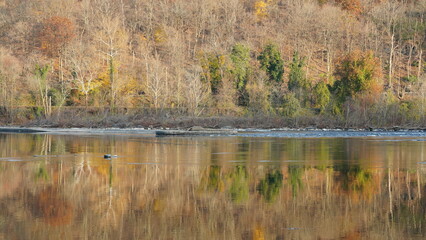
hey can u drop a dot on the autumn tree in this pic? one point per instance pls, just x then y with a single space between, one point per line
352 6
357 72
261 9
213 70
56 32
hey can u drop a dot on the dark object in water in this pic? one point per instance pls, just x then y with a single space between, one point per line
107 156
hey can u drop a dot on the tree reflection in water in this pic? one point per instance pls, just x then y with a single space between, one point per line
269 187
295 176
215 188
239 186
52 207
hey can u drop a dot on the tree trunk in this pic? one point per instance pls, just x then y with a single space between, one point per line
419 70
390 60
111 81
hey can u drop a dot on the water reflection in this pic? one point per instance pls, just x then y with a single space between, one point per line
270 186
51 206
239 185
217 188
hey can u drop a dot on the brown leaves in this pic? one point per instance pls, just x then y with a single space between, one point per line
353 6
56 32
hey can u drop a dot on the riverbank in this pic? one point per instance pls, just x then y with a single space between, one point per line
166 121
248 132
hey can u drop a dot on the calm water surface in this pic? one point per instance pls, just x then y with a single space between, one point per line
246 187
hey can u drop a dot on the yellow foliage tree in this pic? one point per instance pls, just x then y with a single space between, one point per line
160 35
261 9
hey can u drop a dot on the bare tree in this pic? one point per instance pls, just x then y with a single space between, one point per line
83 69
156 81
386 15
10 70
112 39
196 92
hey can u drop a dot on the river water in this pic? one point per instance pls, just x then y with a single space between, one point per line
263 185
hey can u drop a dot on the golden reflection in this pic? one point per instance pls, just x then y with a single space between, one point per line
215 188
52 207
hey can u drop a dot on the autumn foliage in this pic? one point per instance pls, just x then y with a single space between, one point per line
358 72
55 33
352 6
208 58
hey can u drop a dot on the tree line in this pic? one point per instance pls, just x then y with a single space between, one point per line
334 59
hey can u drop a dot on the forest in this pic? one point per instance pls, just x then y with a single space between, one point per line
265 63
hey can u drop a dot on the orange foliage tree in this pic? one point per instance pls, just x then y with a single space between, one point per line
56 32
352 6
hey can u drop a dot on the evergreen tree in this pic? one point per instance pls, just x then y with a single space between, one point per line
272 63
240 57
321 96
297 81
297 77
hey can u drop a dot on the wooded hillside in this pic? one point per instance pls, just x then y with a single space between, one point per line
360 61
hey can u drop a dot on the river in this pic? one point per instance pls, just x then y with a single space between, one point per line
256 185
